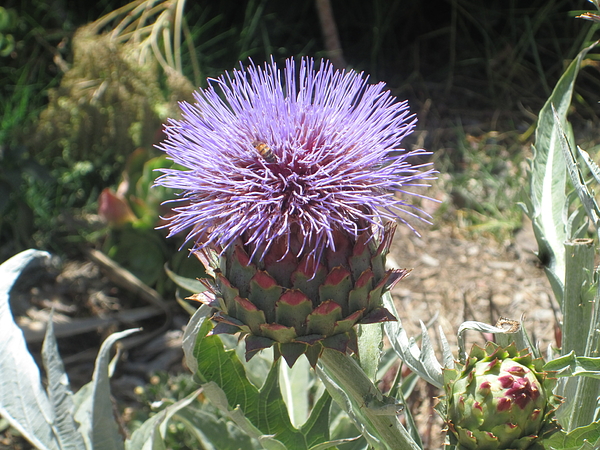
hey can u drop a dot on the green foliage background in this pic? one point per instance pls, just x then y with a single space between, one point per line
75 105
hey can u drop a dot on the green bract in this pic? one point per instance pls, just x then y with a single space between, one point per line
296 306
499 399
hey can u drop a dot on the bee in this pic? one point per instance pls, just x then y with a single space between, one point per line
265 151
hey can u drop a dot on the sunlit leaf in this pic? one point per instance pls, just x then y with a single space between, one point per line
583 438
23 402
261 413
570 365
295 386
60 394
370 344
423 360
316 428
190 334
585 196
591 165
547 206
94 406
218 398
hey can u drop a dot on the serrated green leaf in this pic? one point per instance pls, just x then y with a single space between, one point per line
447 355
570 365
59 394
260 413
408 350
428 357
583 438
258 368
548 176
591 165
23 402
95 410
217 397
191 333
587 199
272 417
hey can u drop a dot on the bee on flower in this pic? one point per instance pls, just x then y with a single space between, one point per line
265 152
296 232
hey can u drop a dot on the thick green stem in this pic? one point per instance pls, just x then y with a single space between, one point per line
577 307
578 331
357 395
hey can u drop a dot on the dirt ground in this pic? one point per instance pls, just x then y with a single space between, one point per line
455 277
461 279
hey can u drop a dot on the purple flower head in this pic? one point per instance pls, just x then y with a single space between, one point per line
290 157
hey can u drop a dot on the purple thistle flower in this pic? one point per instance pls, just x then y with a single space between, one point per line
290 157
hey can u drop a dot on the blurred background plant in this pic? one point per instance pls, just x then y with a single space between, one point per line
109 102
80 97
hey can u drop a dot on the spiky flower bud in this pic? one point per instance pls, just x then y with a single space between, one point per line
299 308
291 185
500 399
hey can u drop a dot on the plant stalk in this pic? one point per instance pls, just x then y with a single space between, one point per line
577 307
578 317
363 402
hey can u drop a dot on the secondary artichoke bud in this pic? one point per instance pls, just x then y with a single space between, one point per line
500 399
300 305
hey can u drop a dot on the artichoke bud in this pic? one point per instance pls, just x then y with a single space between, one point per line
499 398
300 304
